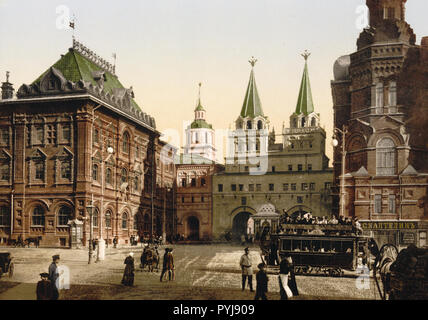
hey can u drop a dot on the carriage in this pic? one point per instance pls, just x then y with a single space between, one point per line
329 251
401 275
6 264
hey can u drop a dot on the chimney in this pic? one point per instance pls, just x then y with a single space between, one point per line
7 88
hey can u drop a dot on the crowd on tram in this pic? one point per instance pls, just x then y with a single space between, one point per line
308 219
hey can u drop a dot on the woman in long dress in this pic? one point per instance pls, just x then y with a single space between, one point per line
292 284
128 274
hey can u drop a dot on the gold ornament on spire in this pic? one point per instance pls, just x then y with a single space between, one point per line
252 61
306 55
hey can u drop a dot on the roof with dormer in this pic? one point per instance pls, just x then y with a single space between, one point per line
76 67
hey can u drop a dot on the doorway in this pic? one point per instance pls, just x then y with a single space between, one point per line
240 223
192 228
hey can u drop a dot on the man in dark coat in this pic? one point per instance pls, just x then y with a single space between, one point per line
128 274
262 283
164 263
284 271
53 277
44 290
170 265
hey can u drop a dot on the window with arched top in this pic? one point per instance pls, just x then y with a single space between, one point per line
124 176
136 183
313 122
64 215
125 142
95 217
136 222
109 175
124 220
38 217
95 172
108 218
294 123
385 157
249 124
260 125
303 122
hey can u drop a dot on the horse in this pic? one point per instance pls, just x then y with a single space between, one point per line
150 258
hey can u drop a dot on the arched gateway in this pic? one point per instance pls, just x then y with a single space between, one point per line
240 224
192 228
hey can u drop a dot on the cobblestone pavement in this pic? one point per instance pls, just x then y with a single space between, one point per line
202 272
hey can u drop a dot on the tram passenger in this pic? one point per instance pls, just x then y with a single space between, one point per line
333 220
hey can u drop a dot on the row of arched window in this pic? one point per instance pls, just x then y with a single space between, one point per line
125 140
109 176
64 215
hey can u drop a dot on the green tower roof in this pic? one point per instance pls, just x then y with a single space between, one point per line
252 106
199 107
200 124
75 67
305 104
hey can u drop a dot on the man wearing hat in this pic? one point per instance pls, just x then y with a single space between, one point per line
53 277
262 283
44 290
247 270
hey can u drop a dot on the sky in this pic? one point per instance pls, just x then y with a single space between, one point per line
166 47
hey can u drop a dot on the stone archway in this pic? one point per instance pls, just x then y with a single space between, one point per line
240 224
193 228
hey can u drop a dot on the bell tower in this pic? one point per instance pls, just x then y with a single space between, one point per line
381 10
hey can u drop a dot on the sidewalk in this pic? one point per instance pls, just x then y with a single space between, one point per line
23 291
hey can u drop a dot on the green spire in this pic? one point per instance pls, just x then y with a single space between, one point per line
252 106
305 104
199 107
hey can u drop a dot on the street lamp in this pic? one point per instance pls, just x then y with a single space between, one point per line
343 133
90 209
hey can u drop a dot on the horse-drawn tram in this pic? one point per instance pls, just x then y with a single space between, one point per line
328 251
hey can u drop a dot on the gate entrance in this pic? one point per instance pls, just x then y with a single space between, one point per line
193 228
240 224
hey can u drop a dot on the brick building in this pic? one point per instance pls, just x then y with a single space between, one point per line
73 137
380 99
195 169
194 197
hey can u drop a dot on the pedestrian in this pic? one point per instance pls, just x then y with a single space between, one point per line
261 283
170 265
115 241
247 271
284 272
54 277
242 239
128 274
292 284
164 264
44 290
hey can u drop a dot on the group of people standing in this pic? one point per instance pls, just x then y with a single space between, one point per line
167 267
286 277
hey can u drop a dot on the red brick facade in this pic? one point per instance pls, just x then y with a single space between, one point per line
66 144
380 95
